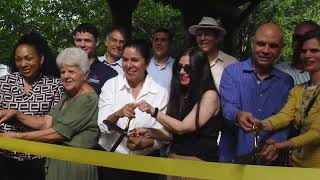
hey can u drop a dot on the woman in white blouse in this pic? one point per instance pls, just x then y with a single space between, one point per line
118 105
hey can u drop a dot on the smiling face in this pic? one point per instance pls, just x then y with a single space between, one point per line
28 61
310 55
184 70
134 65
206 40
115 44
87 42
266 45
72 78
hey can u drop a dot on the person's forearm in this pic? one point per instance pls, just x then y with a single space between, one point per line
47 135
160 134
284 145
173 125
114 117
35 122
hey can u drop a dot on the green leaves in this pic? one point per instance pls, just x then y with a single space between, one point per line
287 13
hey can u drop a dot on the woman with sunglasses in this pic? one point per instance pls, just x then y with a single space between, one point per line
193 110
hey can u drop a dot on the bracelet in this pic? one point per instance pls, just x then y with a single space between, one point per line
155 113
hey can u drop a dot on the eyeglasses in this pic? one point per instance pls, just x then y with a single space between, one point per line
187 68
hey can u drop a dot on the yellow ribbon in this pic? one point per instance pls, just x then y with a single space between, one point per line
174 167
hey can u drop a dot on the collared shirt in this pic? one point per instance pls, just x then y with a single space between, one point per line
117 65
115 94
217 66
242 90
4 70
99 74
299 76
162 75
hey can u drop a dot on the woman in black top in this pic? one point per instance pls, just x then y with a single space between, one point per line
193 110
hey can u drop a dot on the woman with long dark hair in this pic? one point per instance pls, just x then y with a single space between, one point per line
193 110
33 88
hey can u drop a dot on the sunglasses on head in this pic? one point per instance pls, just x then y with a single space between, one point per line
187 68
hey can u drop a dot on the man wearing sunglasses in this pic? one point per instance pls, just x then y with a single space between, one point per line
253 89
295 67
208 33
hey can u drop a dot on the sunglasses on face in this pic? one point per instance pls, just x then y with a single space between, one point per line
186 68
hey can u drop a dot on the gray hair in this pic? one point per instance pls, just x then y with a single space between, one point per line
74 57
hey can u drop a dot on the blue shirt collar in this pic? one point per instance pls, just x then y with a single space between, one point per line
248 68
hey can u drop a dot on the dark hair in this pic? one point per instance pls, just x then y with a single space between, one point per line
309 35
87 27
142 45
182 99
121 30
164 30
38 42
313 24
296 61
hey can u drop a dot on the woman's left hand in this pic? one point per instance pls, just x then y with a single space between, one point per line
144 106
270 151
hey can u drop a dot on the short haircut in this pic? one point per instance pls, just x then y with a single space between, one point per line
74 56
164 30
87 27
120 29
142 45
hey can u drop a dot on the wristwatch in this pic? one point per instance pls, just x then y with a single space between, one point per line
155 113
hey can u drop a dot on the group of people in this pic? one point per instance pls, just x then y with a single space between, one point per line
137 99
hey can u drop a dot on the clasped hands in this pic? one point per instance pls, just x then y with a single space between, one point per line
137 139
128 109
248 123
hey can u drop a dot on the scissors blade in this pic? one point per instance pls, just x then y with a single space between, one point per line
114 127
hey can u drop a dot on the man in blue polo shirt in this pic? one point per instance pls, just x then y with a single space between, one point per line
253 89
86 37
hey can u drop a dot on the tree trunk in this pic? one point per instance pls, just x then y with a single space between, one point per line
121 11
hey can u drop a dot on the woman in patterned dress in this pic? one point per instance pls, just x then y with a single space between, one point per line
33 88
